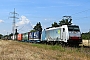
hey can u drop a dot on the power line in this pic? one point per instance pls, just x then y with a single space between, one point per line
26 27
14 26
80 12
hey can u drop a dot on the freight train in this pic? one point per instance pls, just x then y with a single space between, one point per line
65 34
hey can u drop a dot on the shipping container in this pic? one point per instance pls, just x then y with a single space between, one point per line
34 36
25 36
31 36
19 37
37 35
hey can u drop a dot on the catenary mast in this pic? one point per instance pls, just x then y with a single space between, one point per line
14 23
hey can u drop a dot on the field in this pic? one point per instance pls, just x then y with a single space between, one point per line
14 50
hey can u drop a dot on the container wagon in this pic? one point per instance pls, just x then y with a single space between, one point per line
32 37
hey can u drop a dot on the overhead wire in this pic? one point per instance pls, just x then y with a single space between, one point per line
80 13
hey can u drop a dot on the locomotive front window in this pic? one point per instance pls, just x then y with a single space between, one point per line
73 28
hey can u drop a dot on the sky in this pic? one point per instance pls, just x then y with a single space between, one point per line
45 11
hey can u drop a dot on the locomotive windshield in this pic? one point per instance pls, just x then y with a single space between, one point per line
73 28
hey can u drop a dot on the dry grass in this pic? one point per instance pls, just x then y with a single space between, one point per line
14 50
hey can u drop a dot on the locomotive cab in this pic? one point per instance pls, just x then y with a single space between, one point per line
74 34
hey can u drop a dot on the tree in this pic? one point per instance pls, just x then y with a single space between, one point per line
86 35
1 36
55 24
38 27
32 30
65 21
11 34
16 33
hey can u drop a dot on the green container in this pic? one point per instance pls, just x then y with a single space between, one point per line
25 36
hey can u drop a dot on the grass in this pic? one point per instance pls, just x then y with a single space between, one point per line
81 52
49 47
63 51
58 47
54 51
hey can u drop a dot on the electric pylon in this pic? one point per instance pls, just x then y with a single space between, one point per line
14 23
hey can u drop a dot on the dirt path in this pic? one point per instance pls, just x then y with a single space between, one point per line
13 50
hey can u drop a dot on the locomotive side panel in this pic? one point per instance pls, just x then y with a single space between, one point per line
43 35
53 34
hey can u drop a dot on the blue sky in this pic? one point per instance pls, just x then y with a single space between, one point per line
44 11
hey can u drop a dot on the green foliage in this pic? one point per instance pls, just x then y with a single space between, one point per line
66 21
32 30
55 24
1 36
86 35
50 47
16 33
38 27
11 34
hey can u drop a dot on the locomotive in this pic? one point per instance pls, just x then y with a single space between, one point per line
68 34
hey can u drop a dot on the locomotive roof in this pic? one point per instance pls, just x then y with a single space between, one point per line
63 26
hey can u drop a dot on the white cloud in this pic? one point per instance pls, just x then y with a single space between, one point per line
24 25
4 30
45 19
22 21
1 21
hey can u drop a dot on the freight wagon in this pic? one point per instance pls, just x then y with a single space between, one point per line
32 37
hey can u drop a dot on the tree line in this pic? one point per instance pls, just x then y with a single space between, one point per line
86 36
